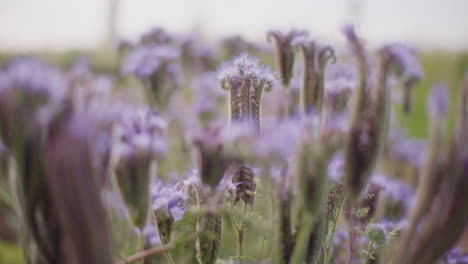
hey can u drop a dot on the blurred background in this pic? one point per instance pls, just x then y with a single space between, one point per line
60 31
28 25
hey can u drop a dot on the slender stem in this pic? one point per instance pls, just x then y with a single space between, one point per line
286 102
302 241
240 235
146 253
369 248
169 257
329 244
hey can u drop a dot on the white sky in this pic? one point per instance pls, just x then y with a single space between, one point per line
62 24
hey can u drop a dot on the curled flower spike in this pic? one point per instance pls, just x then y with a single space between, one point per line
408 67
168 203
315 57
360 135
284 52
284 60
245 79
140 141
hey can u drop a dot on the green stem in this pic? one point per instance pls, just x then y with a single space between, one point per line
330 242
302 241
371 244
240 236
168 257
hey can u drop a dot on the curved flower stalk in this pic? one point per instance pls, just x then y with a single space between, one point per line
140 140
408 68
447 215
315 58
369 115
284 59
431 172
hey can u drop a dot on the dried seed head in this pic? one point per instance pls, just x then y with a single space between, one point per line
334 199
245 185
364 209
284 52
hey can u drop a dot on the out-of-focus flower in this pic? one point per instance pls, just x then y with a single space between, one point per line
74 171
340 81
236 44
315 58
408 67
158 67
155 36
140 140
212 159
455 256
144 61
168 202
197 57
150 232
31 93
284 55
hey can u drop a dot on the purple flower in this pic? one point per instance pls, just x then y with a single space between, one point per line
169 198
31 93
406 59
455 256
245 68
155 36
144 61
393 189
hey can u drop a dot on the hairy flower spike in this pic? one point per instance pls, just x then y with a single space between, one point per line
246 80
